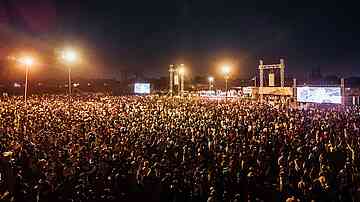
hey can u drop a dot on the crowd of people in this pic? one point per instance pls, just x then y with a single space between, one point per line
171 149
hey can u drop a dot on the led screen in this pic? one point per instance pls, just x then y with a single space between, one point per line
319 94
142 88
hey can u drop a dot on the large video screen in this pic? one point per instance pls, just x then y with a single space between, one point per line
142 88
319 94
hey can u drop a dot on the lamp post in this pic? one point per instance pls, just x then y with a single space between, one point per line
226 73
211 81
28 62
69 56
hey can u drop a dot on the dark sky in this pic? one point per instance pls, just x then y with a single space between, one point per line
145 36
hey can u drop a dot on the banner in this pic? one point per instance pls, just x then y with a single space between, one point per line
176 79
319 94
142 88
284 91
247 90
271 80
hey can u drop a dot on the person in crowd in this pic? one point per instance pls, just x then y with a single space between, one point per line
169 149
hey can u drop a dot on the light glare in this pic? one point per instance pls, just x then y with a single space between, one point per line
226 69
28 61
69 56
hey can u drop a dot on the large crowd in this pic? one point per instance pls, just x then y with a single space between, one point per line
170 149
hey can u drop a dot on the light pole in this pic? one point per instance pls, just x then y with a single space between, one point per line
69 80
28 62
70 57
211 81
226 72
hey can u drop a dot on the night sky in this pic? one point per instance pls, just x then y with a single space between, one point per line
145 36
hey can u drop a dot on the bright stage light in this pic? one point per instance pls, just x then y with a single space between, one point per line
226 69
27 60
69 56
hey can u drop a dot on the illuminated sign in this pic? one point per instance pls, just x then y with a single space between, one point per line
142 88
319 94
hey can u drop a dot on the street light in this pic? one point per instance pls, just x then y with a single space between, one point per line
226 72
69 56
211 81
27 61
